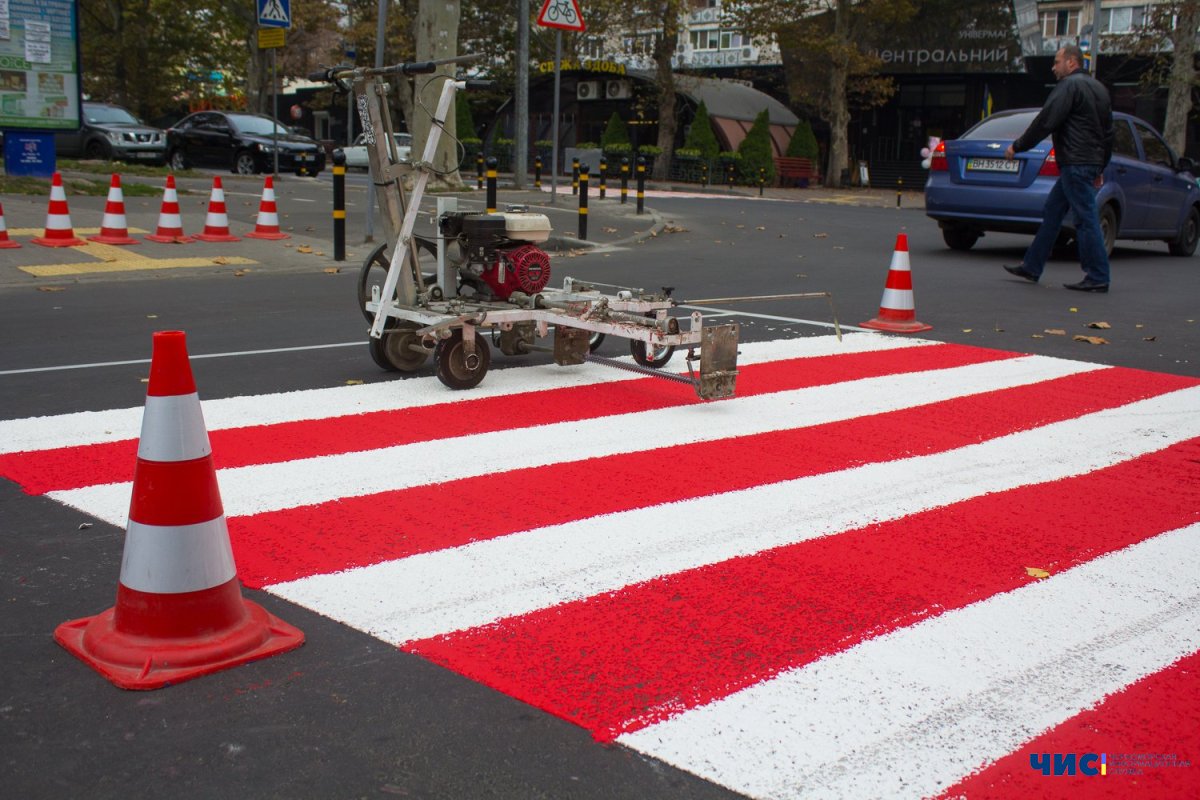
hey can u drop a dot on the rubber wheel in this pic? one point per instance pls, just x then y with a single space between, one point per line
97 151
373 272
594 342
177 161
243 163
657 357
1108 228
1185 245
960 238
454 368
393 350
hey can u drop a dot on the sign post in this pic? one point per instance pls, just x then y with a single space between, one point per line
563 15
274 14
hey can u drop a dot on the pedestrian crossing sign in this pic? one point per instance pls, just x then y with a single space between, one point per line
274 13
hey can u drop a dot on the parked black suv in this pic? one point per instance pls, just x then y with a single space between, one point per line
110 132
241 142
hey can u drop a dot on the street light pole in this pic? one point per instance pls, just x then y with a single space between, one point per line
522 110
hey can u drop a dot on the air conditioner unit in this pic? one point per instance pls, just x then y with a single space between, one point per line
618 90
587 90
747 53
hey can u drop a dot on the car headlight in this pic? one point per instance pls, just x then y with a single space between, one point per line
113 136
265 148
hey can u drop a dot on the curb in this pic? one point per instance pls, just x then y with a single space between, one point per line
560 243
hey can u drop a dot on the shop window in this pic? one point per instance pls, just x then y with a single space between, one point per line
1060 23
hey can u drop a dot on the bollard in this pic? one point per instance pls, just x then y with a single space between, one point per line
729 175
624 180
641 184
583 192
704 174
537 172
574 176
762 179
339 205
479 171
491 185
899 186
603 176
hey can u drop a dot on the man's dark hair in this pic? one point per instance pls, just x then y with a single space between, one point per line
1072 52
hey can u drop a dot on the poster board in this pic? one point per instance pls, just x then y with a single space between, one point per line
39 65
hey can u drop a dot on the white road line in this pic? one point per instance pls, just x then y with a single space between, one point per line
235 354
962 689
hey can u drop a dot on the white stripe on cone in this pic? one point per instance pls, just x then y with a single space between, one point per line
173 429
171 559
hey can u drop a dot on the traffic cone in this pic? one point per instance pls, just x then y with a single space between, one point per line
5 242
897 310
59 232
113 228
267 224
216 224
170 226
179 612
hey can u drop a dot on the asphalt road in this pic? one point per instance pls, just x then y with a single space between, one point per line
347 716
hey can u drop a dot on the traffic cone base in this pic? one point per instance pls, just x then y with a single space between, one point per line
170 225
267 224
59 232
5 242
897 309
216 223
180 612
113 228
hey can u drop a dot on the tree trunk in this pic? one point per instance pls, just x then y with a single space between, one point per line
436 35
664 53
1183 73
839 104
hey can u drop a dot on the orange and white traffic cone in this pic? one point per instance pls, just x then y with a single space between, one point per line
170 225
113 228
5 242
180 612
267 224
216 223
897 309
59 232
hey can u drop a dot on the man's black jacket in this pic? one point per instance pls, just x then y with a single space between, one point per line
1078 117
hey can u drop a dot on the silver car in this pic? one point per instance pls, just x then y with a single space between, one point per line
107 132
356 154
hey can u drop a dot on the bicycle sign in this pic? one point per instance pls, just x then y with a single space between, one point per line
562 14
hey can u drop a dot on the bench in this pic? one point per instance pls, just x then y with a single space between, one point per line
796 171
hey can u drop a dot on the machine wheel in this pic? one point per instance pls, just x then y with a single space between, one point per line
374 271
393 350
1189 235
455 368
594 342
657 356
960 238
177 161
97 151
244 164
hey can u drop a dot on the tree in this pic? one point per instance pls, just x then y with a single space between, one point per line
803 143
701 137
755 150
615 132
826 57
436 36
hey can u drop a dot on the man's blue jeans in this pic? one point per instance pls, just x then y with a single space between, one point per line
1075 191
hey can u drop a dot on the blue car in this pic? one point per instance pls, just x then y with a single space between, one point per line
1149 193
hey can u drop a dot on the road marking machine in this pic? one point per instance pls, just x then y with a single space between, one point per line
485 273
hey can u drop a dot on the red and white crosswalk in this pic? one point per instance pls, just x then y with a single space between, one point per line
819 588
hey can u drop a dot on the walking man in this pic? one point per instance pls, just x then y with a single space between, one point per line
1078 118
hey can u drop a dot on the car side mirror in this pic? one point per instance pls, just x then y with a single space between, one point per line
1185 164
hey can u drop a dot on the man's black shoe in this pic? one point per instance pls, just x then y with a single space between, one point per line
1020 271
1087 285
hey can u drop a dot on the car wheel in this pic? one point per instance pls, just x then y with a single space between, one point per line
960 238
1108 228
243 163
177 161
97 150
1185 245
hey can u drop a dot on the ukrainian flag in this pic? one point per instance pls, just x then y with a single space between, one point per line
986 110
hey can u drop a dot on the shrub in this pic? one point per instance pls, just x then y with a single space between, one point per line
464 122
615 132
755 151
803 143
700 135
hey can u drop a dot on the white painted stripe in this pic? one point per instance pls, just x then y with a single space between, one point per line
457 588
961 690
173 429
178 558
270 487
92 427
897 300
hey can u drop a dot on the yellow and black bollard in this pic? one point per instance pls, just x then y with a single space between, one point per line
574 176
762 180
479 170
339 205
624 180
583 198
704 174
603 176
899 187
537 172
491 185
641 184
729 175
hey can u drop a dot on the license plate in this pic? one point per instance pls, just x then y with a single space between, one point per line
993 165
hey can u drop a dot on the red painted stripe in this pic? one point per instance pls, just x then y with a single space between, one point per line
356 531
42 471
1155 716
170 369
175 492
622 661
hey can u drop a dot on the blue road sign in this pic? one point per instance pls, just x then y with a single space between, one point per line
275 13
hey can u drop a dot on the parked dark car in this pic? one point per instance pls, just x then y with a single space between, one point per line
1149 193
109 132
241 142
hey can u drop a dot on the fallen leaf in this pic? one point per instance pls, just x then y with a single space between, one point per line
741 226
998 329
606 229
761 228
332 270
1055 331
1073 310
354 382
1091 339
1099 325
674 229
967 330
1139 325
309 228
1038 336
1149 338
52 288
240 273
820 235
1034 572
319 253
220 260
83 526
838 247
303 249
152 316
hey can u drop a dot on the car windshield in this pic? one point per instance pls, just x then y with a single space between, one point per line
109 114
261 126
1008 126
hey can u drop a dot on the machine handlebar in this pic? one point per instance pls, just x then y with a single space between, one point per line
344 72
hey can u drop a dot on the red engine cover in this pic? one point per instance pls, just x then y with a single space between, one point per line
521 269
